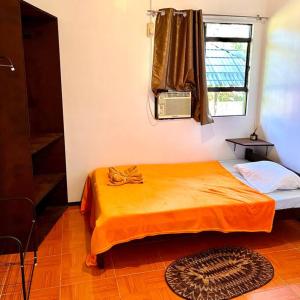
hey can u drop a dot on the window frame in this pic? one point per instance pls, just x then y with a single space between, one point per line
249 41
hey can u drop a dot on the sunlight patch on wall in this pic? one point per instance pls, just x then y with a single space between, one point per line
281 95
121 5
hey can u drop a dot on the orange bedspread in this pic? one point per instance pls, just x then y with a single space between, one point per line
175 198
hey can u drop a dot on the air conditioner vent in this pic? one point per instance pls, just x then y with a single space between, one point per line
173 105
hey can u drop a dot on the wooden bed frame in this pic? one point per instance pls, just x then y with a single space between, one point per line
250 155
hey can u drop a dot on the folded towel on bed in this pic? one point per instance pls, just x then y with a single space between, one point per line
131 175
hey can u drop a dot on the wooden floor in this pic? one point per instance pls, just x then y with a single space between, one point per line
136 270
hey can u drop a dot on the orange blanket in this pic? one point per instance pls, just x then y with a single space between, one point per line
175 198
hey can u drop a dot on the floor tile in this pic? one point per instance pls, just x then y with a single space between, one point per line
145 286
73 220
289 231
50 247
45 294
13 296
136 270
286 263
279 293
56 232
13 280
267 242
75 230
158 294
74 269
4 268
47 273
136 258
75 238
72 208
102 289
294 285
173 249
42 294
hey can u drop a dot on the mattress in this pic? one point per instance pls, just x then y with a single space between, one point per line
283 199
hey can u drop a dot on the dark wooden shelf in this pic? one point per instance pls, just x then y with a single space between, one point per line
32 109
39 142
46 183
249 143
246 142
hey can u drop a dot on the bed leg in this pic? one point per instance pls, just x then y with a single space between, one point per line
100 261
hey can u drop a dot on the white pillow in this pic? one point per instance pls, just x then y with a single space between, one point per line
268 176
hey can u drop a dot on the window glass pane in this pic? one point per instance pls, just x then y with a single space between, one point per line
228 30
226 64
227 103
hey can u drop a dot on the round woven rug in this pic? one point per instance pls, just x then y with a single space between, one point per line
219 274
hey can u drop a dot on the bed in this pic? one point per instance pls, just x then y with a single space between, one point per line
177 198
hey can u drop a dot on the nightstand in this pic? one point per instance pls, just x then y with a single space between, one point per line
246 142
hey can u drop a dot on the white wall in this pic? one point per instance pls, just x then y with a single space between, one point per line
273 6
106 64
280 109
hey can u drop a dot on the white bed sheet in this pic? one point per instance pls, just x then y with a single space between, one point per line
284 199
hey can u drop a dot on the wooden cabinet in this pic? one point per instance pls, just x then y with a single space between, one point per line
32 148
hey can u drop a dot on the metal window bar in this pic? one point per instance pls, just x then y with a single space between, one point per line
246 66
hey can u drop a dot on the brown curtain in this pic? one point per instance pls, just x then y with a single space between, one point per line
179 58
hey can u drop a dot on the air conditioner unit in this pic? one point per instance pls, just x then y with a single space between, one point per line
173 105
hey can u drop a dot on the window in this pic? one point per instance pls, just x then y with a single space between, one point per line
227 66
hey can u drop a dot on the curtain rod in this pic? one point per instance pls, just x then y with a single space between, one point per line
154 13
